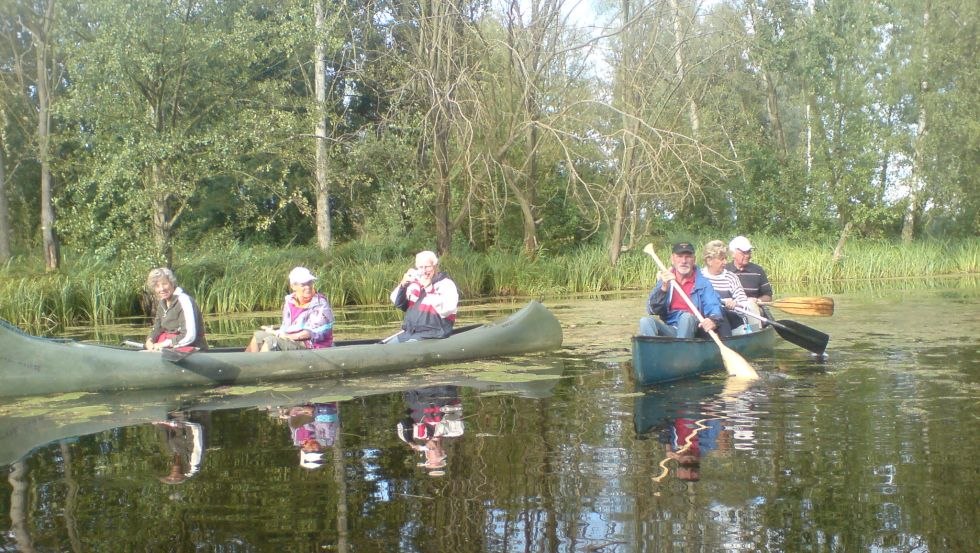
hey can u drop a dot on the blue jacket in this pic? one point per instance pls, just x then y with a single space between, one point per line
703 296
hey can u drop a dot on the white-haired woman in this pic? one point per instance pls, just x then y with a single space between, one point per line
177 321
728 287
429 299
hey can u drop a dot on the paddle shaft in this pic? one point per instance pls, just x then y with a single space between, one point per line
760 317
393 336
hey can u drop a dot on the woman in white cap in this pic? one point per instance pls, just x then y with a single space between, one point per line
307 320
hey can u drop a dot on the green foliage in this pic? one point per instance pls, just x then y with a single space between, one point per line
175 122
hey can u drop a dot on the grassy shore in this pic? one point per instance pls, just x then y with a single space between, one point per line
240 279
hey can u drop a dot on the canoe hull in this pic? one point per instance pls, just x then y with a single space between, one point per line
658 359
30 365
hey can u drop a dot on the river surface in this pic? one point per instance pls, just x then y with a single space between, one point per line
874 448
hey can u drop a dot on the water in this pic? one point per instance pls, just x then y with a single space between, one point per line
872 449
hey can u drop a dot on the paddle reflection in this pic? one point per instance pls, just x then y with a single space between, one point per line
433 415
692 419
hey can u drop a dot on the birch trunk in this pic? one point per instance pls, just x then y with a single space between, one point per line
323 233
916 180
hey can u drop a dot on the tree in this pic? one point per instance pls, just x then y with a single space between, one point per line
38 79
172 97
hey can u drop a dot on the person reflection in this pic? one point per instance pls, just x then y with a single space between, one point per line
432 415
686 440
314 428
690 421
183 440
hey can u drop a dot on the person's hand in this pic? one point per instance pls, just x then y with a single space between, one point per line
729 303
410 276
708 324
753 300
665 278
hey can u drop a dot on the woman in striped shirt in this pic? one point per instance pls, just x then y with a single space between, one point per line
728 287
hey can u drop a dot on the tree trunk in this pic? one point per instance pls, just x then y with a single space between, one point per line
916 180
693 112
443 190
4 208
162 222
772 99
49 239
323 234
616 227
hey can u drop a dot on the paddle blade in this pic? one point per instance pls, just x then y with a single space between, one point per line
815 306
736 365
808 338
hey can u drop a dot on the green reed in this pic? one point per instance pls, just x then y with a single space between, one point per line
241 279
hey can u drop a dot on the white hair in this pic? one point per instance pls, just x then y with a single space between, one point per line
422 257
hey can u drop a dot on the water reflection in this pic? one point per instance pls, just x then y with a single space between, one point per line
313 427
433 416
183 441
693 418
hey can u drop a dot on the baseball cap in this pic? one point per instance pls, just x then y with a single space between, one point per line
310 459
301 275
740 243
683 247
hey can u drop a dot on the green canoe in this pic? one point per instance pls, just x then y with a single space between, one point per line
659 359
31 365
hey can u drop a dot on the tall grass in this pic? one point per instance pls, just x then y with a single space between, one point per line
239 279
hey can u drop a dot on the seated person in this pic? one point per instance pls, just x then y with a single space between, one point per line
728 287
671 314
429 299
307 320
754 280
177 321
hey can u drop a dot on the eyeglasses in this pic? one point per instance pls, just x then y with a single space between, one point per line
424 267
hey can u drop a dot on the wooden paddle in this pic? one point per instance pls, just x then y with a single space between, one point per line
819 306
734 363
807 338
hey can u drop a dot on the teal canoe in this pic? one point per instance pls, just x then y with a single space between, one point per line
658 359
31 365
